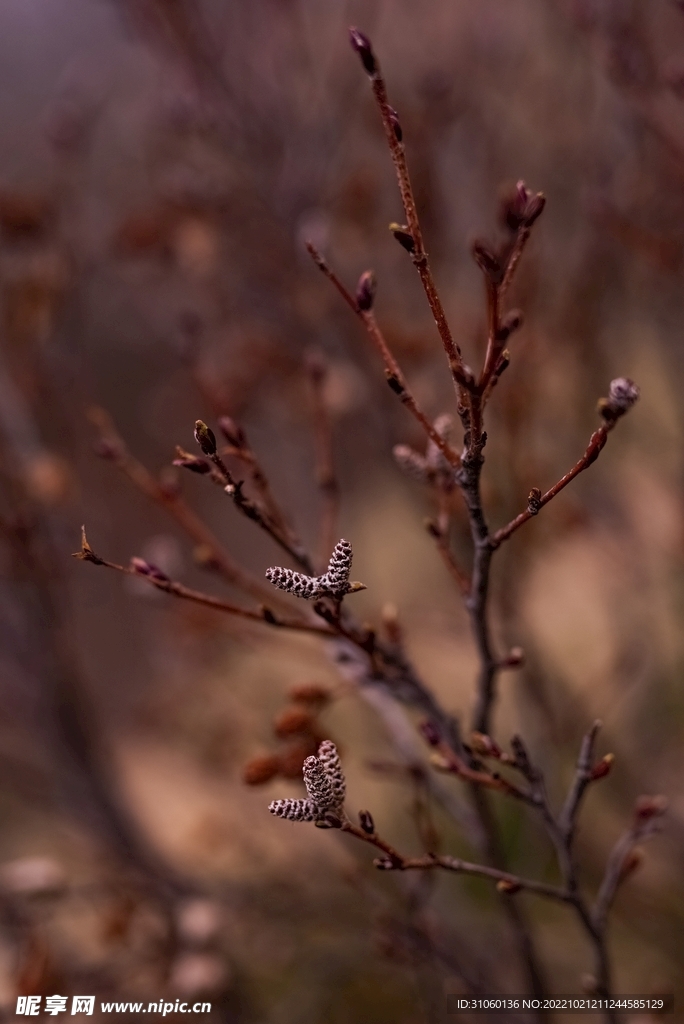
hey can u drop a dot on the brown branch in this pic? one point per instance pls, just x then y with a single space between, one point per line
506 882
239 448
621 863
417 251
537 501
395 376
326 477
234 489
583 776
441 540
448 760
113 448
140 569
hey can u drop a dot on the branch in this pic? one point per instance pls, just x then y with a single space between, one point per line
394 861
622 861
585 773
395 377
233 488
112 447
144 570
622 396
413 240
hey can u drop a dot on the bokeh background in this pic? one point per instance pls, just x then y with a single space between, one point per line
162 163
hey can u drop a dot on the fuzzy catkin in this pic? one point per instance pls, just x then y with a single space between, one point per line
318 785
337 575
295 583
330 759
333 583
293 810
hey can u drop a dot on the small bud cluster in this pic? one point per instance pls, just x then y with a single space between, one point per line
622 395
325 788
333 583
522 207
432 467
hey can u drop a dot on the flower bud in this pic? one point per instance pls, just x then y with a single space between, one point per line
623 393
205 438
195 463
602 767
488 262
534 501
365 291
485 745
403 236
512 322
362 44
366 822
631 863
430 733
622 396
396 126
649 807
144 568
508 887
232 431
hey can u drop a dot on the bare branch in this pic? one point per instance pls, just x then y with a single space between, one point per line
395 376
156 578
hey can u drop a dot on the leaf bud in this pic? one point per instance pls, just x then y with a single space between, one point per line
205 438
365 291
362 44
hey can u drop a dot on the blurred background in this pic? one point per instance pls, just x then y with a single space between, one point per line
162 163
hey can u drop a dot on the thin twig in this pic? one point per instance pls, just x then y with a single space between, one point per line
583 776
506 882
114 449
646 823
395 375
537 502
157 579
419 255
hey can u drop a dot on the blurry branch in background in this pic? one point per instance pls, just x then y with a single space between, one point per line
326 477
41 625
